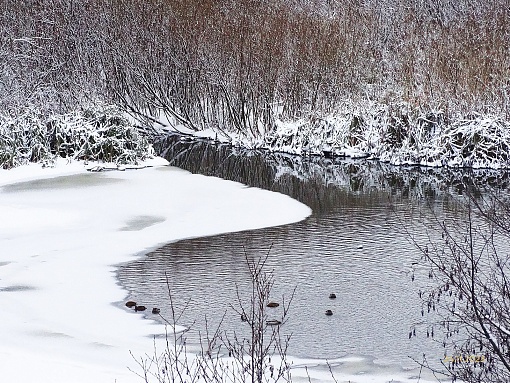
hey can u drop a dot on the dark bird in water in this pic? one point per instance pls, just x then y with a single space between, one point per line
329 312
244 318
140 308
130 304
332 296
155 310
273 304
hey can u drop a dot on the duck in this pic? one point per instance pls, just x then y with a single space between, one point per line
332 296
273 304
140 308
329 312
130 304
155 310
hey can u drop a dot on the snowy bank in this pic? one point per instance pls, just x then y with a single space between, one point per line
397 134
98 132
62 232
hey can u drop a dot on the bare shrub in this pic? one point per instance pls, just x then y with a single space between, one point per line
227 357
243 65
468 300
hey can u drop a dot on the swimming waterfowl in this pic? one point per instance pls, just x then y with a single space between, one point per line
130 304
332 296
273 304
329 312
155 310
140 308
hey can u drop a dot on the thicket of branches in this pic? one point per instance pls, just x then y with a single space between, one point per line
241 63
92 135
255 354
467 300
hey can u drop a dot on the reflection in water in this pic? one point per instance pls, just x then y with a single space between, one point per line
353 245
315 181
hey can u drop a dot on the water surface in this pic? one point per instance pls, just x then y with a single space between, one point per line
354 245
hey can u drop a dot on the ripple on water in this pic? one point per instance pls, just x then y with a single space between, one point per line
354 246
375 305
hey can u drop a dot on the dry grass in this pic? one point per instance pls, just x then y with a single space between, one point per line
239 63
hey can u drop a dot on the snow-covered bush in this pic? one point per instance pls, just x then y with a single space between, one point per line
399 135
22 140
99 134
477 141
359 78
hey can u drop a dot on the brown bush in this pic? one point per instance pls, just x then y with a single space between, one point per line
231 63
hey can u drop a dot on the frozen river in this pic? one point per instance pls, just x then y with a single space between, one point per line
352 245
62 233
76 245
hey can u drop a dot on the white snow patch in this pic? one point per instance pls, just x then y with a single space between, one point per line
61 234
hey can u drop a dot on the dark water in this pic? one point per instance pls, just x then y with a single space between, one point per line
353 245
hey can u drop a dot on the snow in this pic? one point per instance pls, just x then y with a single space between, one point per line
398 134
62 233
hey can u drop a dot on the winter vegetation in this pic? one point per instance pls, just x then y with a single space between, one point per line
408 82
223 356
465 303
90 135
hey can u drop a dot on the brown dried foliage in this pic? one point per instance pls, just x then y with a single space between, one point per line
230 63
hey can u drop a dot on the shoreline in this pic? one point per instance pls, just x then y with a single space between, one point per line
57 277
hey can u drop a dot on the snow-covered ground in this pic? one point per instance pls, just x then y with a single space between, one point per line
62 232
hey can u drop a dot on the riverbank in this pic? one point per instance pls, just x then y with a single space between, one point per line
63 231
399 135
